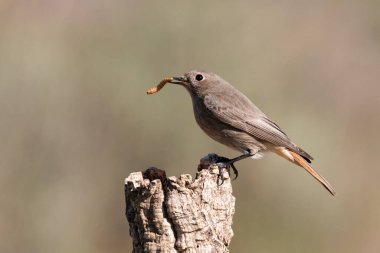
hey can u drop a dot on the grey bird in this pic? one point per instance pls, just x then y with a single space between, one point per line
229 117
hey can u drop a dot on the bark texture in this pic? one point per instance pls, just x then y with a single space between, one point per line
180 214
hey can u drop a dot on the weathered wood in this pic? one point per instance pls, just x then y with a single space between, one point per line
180 214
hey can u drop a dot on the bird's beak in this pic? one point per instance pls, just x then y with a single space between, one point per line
179 80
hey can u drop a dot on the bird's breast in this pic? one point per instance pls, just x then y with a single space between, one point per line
207 121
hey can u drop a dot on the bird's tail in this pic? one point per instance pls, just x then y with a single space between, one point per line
297 159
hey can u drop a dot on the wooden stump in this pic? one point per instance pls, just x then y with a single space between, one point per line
180 214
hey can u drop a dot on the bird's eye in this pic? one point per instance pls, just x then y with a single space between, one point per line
199 77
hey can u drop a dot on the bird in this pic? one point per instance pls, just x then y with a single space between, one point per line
229 117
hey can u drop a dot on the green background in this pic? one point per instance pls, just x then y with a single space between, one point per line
75 119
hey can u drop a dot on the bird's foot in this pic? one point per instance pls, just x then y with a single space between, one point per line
222 163
225 163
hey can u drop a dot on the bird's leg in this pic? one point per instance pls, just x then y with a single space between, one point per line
226 163
240 157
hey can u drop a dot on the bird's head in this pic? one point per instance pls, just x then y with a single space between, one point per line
197 82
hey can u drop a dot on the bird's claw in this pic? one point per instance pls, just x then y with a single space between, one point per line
225 163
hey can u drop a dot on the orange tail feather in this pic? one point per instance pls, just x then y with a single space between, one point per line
297 159
304 164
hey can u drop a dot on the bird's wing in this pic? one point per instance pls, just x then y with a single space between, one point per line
250 119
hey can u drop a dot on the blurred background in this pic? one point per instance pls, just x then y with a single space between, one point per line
75 118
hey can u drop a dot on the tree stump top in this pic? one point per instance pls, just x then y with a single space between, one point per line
180 214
